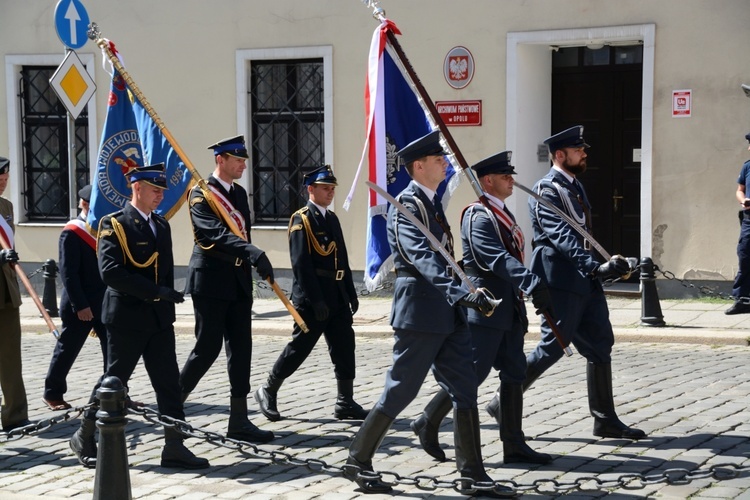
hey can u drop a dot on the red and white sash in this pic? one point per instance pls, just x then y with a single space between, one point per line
235 214
79 228
6 232
511 227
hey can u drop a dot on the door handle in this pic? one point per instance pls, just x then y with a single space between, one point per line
616 201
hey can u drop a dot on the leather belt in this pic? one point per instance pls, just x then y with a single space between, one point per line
408 271
338 274
237 261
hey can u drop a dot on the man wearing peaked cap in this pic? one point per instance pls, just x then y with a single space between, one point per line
429 322
573 274
493 250
428 145
80 303
138 311
568 138
14 412
220 281
233 146
323 293
741 286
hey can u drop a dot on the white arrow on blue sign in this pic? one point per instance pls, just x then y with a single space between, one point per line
71 23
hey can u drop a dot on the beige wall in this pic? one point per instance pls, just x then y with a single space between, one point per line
182 55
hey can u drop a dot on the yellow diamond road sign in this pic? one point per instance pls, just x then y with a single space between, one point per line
72 84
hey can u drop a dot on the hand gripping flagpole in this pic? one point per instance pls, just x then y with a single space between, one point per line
95 35
32 293
379 14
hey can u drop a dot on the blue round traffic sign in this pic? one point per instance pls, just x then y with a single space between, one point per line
71 23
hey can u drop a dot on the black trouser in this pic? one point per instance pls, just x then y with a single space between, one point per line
339 334
126 346
72 337
216 322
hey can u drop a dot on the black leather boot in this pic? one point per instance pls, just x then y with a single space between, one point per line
469 455
83 443
493 407
266 397
533 372
602 405
364 445
241 428
346 408
515 448
176 455
427 424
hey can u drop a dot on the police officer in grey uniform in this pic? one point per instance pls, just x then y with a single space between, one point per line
564 259
493 247
323 294
429 322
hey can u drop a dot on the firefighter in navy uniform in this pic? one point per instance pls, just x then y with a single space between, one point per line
136 263
564 259
220 282
324 295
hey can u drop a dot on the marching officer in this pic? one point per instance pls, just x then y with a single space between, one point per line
15 408
324 295
741 286
136 264
493 247
429 322
220 281
565 260
80 303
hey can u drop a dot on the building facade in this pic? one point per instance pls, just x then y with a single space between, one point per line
656 83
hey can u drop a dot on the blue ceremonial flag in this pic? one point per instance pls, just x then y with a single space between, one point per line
120 150
158 150
131 138
395 118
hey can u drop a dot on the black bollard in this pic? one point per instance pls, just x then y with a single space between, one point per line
49 296
650 308
112 480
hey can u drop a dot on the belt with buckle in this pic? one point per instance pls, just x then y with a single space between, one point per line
237 261
337 275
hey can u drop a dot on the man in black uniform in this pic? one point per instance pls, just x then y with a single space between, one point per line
80 303
324 295
136 264
221 283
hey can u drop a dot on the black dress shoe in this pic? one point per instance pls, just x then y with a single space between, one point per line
176 455
614 428
738 308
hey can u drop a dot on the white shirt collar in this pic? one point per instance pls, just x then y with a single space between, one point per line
429 192
225 185
322 209
143 214
495 201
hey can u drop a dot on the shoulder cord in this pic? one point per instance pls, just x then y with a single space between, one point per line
423 217
312 242
569 204
120 233
492 218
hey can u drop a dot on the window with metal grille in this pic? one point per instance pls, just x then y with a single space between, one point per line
287 122
44 147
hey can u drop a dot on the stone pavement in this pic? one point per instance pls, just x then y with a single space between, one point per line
684 384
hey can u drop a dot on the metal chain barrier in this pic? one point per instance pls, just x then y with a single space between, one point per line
630 481
43 425
703 289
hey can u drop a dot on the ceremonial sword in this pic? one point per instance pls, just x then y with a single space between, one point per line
632 261
436 243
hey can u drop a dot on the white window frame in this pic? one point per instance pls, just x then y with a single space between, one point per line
243 60
13 65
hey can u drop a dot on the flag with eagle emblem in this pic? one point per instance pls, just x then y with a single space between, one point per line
395 118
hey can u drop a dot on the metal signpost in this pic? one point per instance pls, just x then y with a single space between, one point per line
72 84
